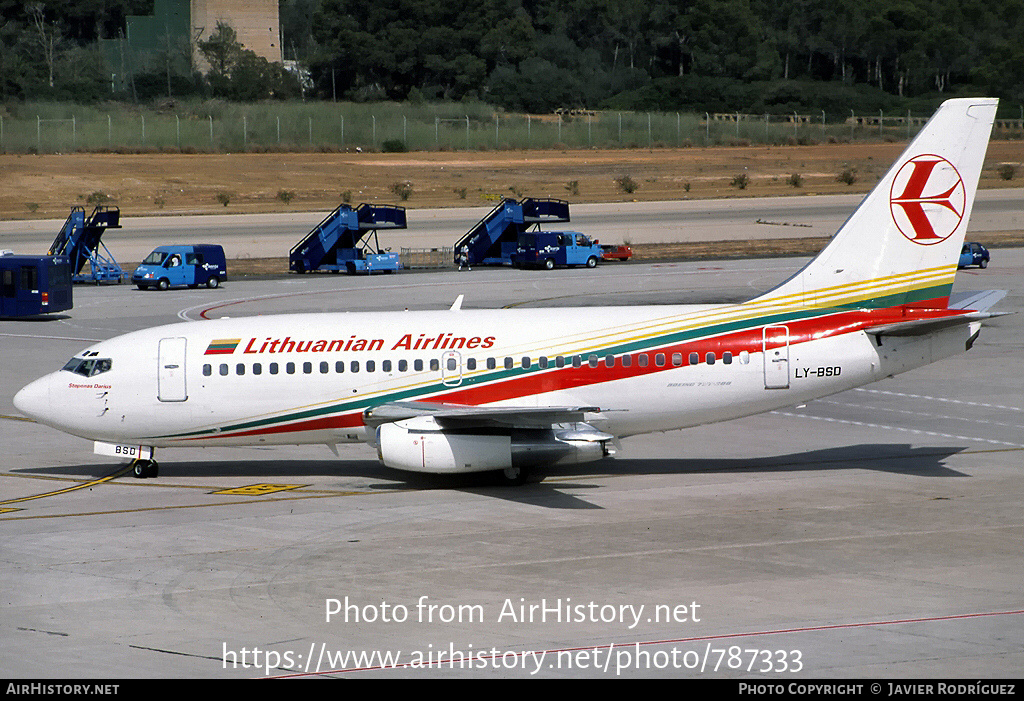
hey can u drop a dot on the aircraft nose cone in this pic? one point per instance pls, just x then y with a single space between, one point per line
34 399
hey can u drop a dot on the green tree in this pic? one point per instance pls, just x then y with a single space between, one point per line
725 36
239 74
16 67
549 53
47 35
222 51
296 18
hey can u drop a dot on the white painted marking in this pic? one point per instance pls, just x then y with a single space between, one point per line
888 427
939 399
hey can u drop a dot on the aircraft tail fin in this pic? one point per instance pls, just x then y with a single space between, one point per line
901 245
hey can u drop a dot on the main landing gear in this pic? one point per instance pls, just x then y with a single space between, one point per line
144 468
514 476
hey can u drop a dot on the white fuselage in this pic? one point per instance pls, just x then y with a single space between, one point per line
307 378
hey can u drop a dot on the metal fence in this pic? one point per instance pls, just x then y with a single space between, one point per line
427 257
330 128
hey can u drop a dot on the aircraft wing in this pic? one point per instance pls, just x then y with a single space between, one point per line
463 415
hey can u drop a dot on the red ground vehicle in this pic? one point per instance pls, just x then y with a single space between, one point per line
616 251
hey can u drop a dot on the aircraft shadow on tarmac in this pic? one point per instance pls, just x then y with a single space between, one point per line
896 458
900 459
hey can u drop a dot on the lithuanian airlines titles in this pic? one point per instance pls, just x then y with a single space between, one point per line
508 390
352 344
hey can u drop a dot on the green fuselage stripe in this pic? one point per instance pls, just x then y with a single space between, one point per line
874 303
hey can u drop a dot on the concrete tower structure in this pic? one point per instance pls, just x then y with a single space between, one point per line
172 32
256 23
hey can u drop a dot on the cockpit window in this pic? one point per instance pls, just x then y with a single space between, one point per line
155 258
87 367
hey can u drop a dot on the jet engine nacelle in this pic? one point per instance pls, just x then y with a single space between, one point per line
421 445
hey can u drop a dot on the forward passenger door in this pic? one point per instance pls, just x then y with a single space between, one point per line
171 370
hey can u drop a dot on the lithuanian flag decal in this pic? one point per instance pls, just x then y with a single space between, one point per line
222 346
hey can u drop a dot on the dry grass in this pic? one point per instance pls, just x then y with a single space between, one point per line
46 186
35 187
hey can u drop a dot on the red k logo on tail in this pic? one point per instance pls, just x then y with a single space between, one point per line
931 199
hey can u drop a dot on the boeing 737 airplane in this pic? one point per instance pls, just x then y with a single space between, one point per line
461 390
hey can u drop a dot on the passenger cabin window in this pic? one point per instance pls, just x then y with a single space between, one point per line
90 365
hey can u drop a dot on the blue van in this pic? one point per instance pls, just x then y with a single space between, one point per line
973 253
178 266
547 249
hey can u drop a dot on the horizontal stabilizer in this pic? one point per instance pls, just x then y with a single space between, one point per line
923 327
978 301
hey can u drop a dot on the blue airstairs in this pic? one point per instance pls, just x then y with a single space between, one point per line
494 239
80 240
346 241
